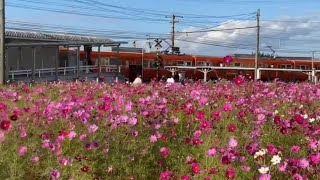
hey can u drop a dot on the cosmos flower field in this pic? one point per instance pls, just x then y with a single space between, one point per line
229 130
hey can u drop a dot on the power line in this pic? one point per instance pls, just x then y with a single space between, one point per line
212 30
84 14
218 45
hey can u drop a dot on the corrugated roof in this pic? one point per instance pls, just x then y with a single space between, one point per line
55 37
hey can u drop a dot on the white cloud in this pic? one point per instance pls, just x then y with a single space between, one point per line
294 33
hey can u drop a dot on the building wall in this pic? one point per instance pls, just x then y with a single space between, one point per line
45 58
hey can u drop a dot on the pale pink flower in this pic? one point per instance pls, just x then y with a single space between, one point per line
153 138
72 135
303 163
82 137
211 152
22 150
35 159
295 149
245 168
2 136
23 132
93 128
197 133
232 142
265 177
55 174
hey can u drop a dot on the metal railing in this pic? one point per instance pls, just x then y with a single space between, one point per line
63 71
206 69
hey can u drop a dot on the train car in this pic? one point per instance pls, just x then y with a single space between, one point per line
132 64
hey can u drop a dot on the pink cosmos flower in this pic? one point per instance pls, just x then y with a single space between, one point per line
58 152
265 177
303 163
82 137
211 152
35 159
132 121
2 136
195 167
228 59
297 177
232 127
23 132
72 135
22 150
313 143
245 168
227 107
165 175
153 138
93 128
65 161
272 149
201 115
314 159
232 142
197 133
203 100
230 173
55 174
238 80
135 133
185 177
295 149
282 166
164 151
242 159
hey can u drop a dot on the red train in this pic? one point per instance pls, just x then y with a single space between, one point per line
137 63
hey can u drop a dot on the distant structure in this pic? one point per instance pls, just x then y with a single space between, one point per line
35 56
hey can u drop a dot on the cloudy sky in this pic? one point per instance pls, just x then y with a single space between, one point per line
290 27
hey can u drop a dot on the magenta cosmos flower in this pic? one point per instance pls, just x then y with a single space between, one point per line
228 59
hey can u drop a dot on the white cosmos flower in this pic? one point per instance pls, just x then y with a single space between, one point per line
263 170
311 120
260 153
305 116
276 159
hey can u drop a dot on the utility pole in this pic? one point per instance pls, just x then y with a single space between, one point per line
258 47
2 42
312 60
313 74
173 21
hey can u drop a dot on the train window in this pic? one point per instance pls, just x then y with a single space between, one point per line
201 63
188 63
180 63
184 63
105 61
303 67
264 65
152 64
237 64
146 63
285 66
318 68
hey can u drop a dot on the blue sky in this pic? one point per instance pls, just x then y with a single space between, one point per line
270 10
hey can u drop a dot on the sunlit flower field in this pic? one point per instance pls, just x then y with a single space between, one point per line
229 130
